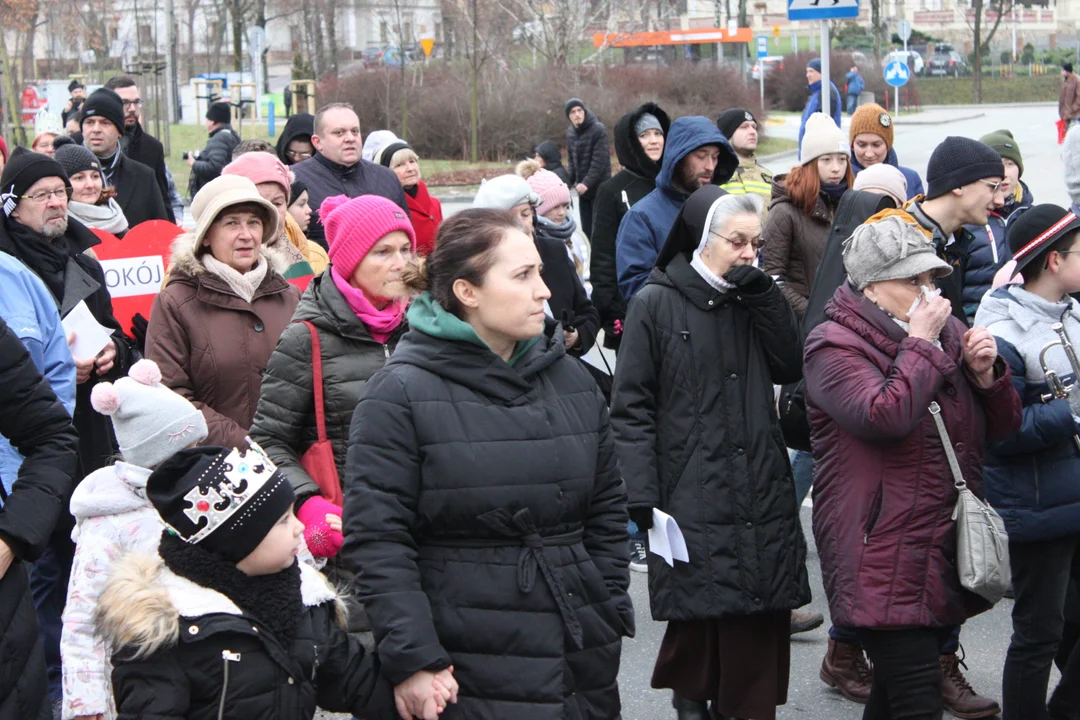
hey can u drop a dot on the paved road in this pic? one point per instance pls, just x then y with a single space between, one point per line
917 135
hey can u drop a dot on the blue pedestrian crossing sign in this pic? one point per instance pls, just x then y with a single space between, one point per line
822 9
897 73
762 46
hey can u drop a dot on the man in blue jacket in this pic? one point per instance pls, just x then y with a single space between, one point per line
813 105
696 153
855 86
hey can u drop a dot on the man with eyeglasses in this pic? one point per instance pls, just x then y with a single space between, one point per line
208 163
137 189
338 169
143 147
35 230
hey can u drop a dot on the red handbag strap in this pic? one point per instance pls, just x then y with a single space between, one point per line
317 378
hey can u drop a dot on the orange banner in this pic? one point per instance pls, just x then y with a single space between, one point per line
672 37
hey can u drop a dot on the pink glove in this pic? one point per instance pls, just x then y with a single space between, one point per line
321 540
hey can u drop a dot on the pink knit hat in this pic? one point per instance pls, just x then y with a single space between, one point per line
552 191
261 167
354 226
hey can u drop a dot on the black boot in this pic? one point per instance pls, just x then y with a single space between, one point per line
686 709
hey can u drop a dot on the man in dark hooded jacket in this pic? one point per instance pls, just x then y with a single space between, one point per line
589 157
294 145
548 155
613 199
696 153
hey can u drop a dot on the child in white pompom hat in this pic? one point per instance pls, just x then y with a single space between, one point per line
113 517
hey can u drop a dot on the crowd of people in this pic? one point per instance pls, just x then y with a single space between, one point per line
355 459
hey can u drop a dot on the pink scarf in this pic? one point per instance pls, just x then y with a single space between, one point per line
380 323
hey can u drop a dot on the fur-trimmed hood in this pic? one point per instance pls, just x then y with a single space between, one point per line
182 257
111 490
143 601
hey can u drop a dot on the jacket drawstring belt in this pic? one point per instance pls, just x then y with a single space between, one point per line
520 525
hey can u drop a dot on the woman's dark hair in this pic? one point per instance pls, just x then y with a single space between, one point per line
464 249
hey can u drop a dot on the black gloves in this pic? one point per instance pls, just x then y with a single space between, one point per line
139 324
642 517
749 279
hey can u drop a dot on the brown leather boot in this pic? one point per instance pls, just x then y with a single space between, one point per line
845 669
960 698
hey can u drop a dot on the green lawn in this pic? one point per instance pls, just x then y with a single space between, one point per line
771 146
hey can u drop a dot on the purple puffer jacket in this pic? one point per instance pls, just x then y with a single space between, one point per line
883 492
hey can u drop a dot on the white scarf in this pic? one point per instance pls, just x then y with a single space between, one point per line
243 284
108 217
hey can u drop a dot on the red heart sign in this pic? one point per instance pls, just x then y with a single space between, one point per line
135 266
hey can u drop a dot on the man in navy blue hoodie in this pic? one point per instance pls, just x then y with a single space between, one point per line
696 153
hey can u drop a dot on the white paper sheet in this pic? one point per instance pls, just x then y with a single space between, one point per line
90 336
666 539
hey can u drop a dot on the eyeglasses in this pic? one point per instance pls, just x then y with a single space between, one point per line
133 103
995 187
297 155
45 196
739 243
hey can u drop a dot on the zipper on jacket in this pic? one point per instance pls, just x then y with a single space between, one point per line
227 657
993 242
386 351
625 200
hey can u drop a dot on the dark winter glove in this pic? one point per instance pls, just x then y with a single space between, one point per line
749 280
139 324
642 517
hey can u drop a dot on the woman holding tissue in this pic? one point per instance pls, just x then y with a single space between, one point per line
883 490
357 311
696 430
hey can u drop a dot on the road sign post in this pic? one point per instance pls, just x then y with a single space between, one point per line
897 73
814 10
762 53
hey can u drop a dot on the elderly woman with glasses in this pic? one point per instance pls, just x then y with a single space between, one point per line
698 439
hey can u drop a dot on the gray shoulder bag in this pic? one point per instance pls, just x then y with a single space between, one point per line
982 546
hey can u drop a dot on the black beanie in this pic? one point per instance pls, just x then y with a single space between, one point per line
386 153
75 158
74 85
224 500
730 120
960 161
571 104
105 103
296 189
219 112
1066 66
23 169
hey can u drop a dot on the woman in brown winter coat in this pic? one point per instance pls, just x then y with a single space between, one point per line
802 209
215 324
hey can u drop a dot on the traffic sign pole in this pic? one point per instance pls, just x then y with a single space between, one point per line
826 82
762 53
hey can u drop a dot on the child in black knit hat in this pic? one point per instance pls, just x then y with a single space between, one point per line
225 622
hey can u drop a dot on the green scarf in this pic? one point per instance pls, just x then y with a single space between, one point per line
430 317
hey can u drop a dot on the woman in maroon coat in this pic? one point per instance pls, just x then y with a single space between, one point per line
883 491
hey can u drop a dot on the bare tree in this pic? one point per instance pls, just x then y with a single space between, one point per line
984 12
554 28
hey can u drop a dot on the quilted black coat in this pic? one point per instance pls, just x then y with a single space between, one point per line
487 519
698 437
37 424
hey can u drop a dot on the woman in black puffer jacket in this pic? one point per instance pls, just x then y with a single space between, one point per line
370 241
485 514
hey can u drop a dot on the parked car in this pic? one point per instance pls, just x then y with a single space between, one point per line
374 57
912 59
947 62
770 63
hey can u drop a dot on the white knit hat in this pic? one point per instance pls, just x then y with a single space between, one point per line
505 192
822 137
883 179
152 423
